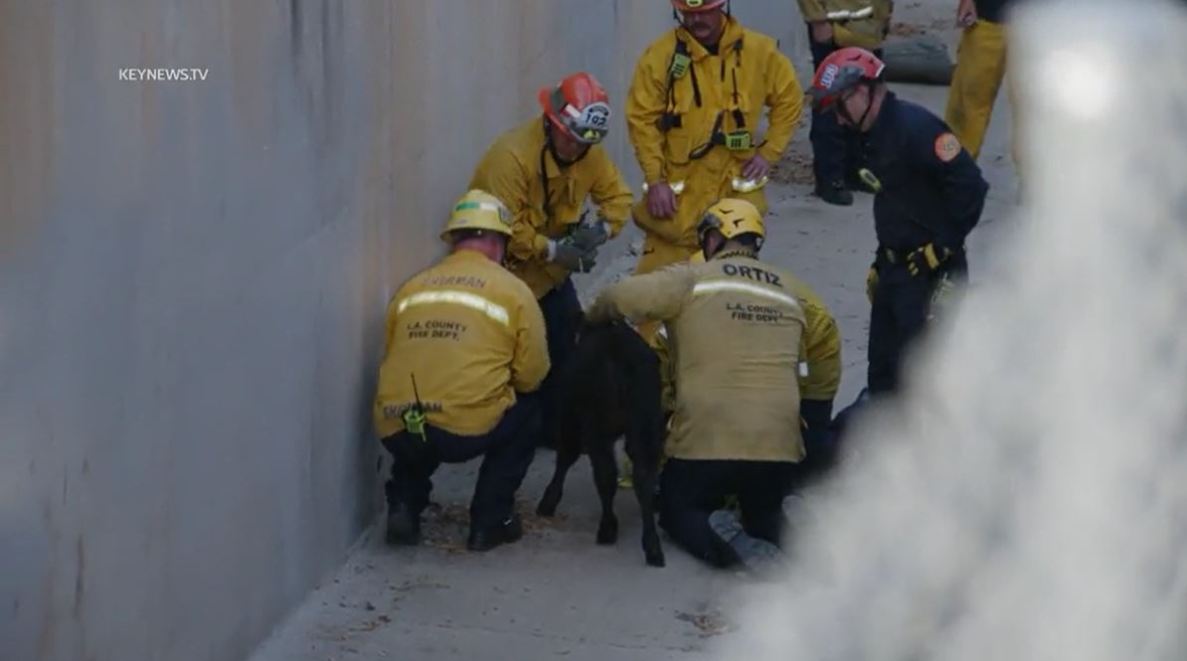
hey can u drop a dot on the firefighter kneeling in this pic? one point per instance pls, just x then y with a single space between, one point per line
466 351
735 328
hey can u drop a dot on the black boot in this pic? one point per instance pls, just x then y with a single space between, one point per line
488 538
403 527
834 193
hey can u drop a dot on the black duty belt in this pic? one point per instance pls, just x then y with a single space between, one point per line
892 256
897 256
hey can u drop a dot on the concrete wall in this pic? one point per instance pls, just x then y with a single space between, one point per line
193 276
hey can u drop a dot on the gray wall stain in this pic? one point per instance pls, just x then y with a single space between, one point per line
80 572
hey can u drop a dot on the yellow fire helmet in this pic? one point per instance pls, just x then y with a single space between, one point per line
478 210
698 257
732 217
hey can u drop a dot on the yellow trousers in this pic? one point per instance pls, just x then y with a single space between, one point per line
980 68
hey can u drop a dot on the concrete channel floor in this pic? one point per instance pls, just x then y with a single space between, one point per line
556 594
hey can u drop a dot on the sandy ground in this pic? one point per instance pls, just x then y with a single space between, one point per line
557 594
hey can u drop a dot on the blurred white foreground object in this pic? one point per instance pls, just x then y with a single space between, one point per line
1027 499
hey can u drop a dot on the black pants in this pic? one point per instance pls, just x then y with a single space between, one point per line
846 415
508 450
690 490
562 318
899 314
836 151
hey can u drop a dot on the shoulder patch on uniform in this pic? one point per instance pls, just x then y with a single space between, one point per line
947 147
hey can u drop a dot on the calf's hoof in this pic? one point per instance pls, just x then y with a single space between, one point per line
652 549
547 506
655 558
608 532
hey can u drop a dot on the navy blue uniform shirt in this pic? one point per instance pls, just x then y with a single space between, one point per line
932 190
992 10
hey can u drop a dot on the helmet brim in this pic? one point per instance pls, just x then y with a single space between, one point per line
450 236
822 100
711 6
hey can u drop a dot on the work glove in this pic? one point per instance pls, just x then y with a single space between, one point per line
590 235
571 256
926 258
871 283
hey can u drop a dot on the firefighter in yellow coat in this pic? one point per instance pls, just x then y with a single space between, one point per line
819 377
820 371
465 353
693 112
545 170
735 329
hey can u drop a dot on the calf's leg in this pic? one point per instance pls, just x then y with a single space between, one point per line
605 470
644 446
567 454
645 480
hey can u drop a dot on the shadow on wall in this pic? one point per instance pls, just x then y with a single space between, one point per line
193 277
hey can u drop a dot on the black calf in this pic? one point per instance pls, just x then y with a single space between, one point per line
610 388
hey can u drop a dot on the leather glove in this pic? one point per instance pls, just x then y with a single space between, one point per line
573 257
591 235
871 283
926 258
